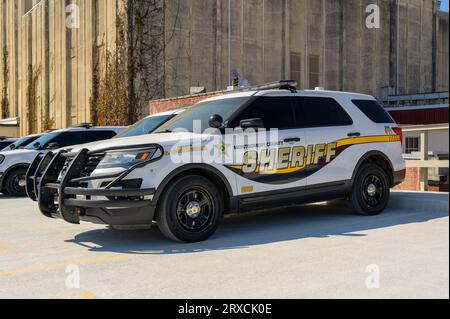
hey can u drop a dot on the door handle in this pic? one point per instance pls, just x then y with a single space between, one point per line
292 140
354 134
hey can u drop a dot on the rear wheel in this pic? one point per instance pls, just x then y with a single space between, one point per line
15 182
371 191
190 209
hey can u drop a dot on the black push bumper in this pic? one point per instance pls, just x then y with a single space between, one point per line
60 186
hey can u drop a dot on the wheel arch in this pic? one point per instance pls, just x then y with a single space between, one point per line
378 158
12 169
207 171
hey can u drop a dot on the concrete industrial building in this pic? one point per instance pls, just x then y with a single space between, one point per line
54 53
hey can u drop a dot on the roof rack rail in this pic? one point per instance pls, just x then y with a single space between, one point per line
290 85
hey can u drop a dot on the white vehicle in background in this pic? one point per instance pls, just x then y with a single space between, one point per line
143 127
149 124
14 164
5 141
22 142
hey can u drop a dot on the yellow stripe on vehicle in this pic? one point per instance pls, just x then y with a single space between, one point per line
368 140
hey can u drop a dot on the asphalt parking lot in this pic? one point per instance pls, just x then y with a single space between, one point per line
314 251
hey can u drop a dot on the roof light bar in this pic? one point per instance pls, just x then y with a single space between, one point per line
277 85
85 125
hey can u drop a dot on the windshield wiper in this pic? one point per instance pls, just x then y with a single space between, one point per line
165 131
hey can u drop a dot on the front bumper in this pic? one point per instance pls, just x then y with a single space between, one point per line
62 192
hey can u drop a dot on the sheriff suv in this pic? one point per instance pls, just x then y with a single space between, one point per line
271 146
15 163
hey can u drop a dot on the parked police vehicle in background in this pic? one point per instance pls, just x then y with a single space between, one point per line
149 124
15 163
6 141
142 127
22 142
328 145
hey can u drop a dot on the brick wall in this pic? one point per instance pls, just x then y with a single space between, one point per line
157 106
412 180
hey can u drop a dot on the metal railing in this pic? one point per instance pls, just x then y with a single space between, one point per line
416 99
423 160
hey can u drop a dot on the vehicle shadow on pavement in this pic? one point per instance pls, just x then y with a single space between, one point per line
244 231
5 196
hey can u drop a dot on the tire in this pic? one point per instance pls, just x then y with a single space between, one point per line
371 191
190 209
14 183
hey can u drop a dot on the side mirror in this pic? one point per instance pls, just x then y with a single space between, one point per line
53 146
252 123
216 121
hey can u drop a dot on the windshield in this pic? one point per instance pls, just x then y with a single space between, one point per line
202 112
21 143
43 141
145 126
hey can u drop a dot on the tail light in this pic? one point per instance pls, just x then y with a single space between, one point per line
399 132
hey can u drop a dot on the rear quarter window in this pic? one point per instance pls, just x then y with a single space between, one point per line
321 112
374 111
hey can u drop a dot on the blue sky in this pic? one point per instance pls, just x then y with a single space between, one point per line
444 5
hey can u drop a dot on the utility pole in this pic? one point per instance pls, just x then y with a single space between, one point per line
229 43
397 81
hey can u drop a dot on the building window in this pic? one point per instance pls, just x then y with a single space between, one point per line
411 145
314 70
296 67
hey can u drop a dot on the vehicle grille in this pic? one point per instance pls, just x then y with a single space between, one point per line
91 164
65 167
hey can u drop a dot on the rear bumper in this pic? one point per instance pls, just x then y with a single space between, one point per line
399 177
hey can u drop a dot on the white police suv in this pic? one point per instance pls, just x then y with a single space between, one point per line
269 146
15 163
22 142
6 141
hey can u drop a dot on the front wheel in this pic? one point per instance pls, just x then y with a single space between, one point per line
15 182
371 191
190 209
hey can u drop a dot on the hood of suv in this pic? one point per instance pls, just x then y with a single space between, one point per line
21 152
17 157
161 139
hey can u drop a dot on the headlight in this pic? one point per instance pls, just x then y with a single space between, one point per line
127 158
2 158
